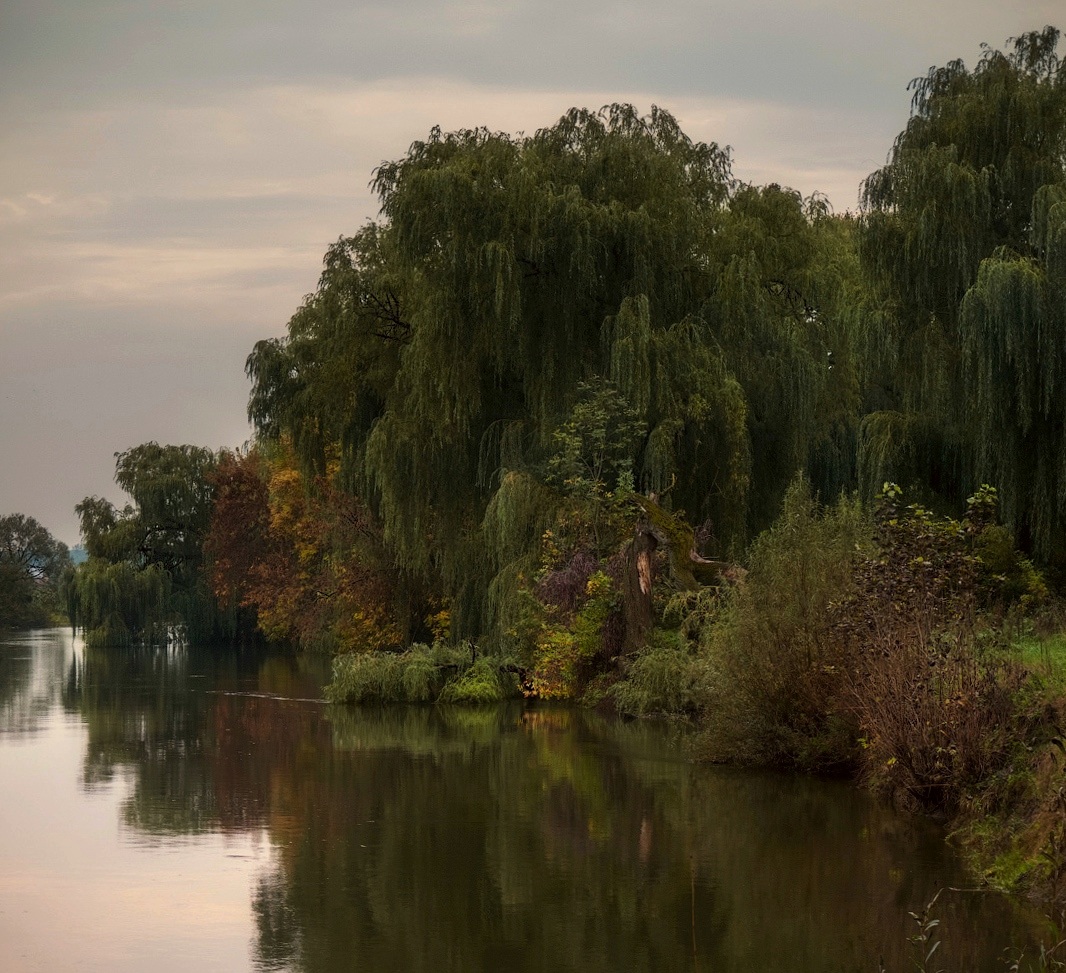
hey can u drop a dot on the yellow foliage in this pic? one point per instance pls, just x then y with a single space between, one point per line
440 624
367 629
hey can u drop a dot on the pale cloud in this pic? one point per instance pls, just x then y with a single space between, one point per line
46 206
110 275
267 208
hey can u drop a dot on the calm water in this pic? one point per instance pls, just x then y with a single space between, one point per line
178 811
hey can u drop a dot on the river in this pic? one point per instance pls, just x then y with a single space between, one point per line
178 810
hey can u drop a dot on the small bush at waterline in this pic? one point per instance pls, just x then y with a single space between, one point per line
661 681
422 674
480 683
367 677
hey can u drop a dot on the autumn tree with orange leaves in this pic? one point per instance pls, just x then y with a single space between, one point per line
300 555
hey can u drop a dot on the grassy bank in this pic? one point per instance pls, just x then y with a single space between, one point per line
438 673
1012 824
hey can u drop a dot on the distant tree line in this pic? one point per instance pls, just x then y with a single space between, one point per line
33 566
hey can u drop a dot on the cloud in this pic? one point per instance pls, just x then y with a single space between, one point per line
173 173
837 51
232 202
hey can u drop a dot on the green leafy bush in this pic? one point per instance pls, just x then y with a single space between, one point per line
772 666
480 683
369 677
422 674
663 680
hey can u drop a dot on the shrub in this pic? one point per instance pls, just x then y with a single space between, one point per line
480 683
931 688
421 677
771 663
564 653
437 673
938 715
662 680
367 677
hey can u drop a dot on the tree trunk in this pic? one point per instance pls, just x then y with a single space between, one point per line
660 528
640 564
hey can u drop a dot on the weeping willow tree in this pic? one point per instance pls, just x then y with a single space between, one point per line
145 572
447 345
963 234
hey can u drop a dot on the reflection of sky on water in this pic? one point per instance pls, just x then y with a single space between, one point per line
33 666
78 891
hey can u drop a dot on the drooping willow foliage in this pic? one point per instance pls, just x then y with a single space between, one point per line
963 233
144 579
446 345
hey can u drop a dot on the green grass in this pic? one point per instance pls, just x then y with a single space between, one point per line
1044 654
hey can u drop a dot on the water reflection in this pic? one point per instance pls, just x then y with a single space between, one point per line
32 667
464 839
202 730
485 838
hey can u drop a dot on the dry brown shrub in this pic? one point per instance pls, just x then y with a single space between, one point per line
934 696
937 715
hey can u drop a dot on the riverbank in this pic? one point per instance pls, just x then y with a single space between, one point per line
1007 816
1012 826
917 655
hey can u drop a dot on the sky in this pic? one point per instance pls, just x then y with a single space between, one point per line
171 173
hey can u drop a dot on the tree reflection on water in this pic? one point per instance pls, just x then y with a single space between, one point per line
513 837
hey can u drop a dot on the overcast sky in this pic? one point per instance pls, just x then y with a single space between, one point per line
172 172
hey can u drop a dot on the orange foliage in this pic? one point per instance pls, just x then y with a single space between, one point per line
303 554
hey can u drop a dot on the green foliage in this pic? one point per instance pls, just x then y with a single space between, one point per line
421 678
32 566
566 649
962 176
481 683
1007 575
585 310
849 644
144 579
121 605
1012 322
591 461
1043 652
664 679
369 677
16 597
773 668
542 329
962 235
440 673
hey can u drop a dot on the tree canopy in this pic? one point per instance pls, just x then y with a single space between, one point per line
32 563
446 345
964 233
145 572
